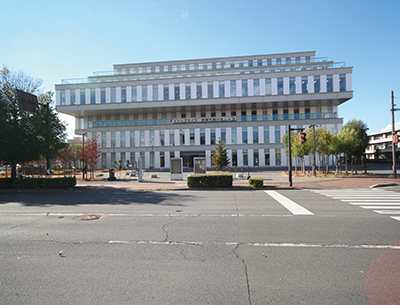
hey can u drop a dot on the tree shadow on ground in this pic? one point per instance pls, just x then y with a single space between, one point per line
116 197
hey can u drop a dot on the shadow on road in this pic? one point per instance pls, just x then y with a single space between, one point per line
103 197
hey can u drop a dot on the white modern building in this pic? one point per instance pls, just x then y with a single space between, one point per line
160 110
381 145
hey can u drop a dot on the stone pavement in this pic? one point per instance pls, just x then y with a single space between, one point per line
153 181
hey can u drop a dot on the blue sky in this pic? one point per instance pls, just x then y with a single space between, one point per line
53 40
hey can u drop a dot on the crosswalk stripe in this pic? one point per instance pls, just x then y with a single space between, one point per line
382 202
292 206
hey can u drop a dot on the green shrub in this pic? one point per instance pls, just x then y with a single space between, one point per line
256 182
54 183
28 183
59 183
210 181
5 183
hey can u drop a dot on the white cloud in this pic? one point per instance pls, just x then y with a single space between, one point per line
184 14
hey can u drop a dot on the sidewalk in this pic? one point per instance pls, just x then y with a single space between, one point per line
276 180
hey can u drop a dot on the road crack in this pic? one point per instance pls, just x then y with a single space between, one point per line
234 251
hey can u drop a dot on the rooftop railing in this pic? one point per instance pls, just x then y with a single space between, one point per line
114 76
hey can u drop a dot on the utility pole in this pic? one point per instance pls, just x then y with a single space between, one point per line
290 157
393 138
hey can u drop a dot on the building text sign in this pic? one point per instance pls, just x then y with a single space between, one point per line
204 120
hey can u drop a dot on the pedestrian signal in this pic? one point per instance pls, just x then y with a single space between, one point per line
302 138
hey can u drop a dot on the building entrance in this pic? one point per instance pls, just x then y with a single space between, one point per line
188 156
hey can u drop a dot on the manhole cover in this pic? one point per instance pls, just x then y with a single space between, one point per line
91 216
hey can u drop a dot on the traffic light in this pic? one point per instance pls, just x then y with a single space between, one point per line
302 138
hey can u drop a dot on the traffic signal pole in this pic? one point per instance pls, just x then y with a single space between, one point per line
290 152
393 140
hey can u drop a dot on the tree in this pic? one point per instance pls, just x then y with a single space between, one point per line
91 153
219 156
25 136
361 139
323 138
297 149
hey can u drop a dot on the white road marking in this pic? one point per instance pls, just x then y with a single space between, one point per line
283 245
388 212
382 202
292 206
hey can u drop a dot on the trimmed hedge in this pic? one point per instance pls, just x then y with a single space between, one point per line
5 183
256 182
210 181
32 183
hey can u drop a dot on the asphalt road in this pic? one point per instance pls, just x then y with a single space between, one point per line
195 247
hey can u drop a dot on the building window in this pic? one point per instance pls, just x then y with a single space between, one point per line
234 135
245 91
342 82
285 114
266 134
280 86
202 136
92 96
317 84
244 135
122 141
255 134
199 90
234 157
329 83
177 95
188 95
141 138
192 137
113 95
255 157
162 138
155 92
134 94
304 84
292 85
123 94
244 116
233 88
62 97
296 114
277 156
277 134
212 136
223 134
171 138
181 137
254 115
103 139
245 157
72 97
256 84
266 156
221 89
162 159
83 97
210 90
166 92
104 160
152 138
268 87
144 93
275 115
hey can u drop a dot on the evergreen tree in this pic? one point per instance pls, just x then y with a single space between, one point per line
219 156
